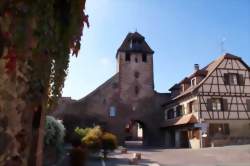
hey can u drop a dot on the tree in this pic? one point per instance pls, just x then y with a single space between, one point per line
36 40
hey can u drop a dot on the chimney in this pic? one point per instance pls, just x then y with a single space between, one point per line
196 67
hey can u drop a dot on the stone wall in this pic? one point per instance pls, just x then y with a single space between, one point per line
94 109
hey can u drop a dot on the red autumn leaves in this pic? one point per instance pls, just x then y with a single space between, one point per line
10 65
75 46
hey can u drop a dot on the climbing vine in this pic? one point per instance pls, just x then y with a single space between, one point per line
37 38
55 27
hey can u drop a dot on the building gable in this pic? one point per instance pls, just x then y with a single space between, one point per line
229 81
218 81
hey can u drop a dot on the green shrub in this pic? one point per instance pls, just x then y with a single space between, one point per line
96 140
93 139
109 143
54 132
82 132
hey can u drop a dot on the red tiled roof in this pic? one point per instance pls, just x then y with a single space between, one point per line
183 120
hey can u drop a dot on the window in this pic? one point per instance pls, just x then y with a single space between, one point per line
137 74
144 57
233 79
131 44
179 110
127 57
192 107
216 104
170 114
193 82
136 90
183 87
136 60
218 129
112 111
135 44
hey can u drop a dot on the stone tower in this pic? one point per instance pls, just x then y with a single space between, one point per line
135 67
126 104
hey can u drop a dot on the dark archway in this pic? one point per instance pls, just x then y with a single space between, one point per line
134 133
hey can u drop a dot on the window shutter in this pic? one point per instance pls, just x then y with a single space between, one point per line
209 104
241 80
226 78
225 104
248 105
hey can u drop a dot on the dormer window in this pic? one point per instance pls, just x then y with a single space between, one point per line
193 81
135 44
183 87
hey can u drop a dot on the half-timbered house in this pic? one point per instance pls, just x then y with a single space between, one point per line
211 107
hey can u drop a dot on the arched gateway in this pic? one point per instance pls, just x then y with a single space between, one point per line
127 97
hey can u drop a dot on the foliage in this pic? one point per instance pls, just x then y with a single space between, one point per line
36 40
82 132
93 139
54 132
52 31
96 140
109 141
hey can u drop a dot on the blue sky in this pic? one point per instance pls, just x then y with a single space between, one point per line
181 32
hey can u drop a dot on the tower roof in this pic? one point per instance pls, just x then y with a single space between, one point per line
135 42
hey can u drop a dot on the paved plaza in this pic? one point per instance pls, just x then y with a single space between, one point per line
219 156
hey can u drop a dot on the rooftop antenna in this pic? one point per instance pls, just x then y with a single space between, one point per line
135 29
222 45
